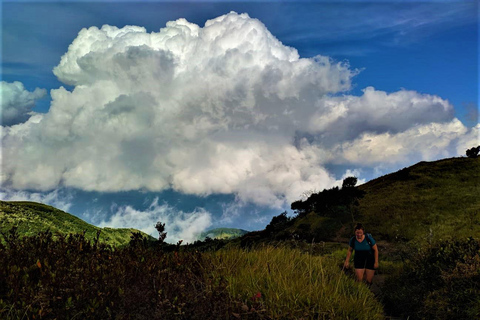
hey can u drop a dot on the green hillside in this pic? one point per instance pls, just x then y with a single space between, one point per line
222 233
31 218
427 201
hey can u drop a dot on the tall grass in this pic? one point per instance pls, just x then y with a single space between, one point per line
289 284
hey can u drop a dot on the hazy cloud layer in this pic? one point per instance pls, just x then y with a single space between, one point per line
179 225
17 102
224 108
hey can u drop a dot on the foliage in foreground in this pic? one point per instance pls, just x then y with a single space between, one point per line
66 277
438 282
290 284
71 277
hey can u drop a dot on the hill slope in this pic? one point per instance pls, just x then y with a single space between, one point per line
32 217
223 233
429 200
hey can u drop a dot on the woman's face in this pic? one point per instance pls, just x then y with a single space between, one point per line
359 233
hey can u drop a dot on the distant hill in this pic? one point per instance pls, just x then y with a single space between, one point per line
428 201
222 233
32 217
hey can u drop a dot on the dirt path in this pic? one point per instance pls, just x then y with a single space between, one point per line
377 285
376 288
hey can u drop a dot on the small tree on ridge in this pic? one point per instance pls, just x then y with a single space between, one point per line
161 231
473 152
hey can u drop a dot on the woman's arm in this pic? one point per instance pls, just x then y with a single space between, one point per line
347 261
375 251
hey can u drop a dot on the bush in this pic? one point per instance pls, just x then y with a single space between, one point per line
438 282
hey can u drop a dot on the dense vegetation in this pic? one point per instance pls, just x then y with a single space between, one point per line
440 281
71 277
31 218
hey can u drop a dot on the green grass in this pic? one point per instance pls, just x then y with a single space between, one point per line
31 218
294 285
428 202
425 203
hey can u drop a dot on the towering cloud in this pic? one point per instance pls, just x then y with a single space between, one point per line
224 108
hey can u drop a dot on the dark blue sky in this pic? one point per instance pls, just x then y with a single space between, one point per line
428 47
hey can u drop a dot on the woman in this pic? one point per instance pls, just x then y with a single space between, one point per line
366 254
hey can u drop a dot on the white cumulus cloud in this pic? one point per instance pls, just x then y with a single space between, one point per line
179 225
345 117
17 102
224 108
422 142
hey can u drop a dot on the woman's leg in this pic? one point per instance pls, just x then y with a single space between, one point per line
359 274
370 274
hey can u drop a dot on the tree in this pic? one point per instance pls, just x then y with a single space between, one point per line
278 222
330 202
161 231
473 152
349 182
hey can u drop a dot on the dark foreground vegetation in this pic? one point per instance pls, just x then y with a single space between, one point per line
440 281
71 277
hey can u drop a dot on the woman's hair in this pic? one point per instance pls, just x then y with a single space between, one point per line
359 226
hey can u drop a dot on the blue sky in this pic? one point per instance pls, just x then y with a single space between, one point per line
394 71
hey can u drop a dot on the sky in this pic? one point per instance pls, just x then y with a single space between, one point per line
221 114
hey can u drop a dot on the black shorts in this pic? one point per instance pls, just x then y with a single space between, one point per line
364 260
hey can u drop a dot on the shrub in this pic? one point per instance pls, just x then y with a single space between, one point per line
438 282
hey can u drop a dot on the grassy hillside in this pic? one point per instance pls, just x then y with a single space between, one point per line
223 233
427 201
31 218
